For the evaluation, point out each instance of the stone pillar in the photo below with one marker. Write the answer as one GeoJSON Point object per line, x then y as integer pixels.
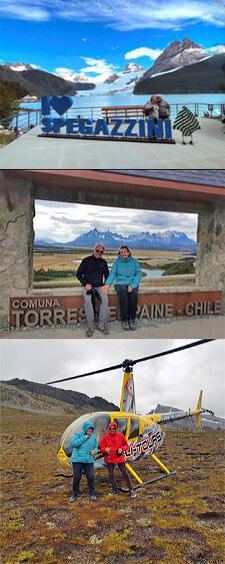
{"type": "Point", "coordinates": [210, 264]}
{"type": "Point", "coordinates": [16, 241]}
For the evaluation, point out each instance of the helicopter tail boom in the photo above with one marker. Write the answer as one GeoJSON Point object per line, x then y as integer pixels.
{"type": "Point", "coordinates": [162, 418]}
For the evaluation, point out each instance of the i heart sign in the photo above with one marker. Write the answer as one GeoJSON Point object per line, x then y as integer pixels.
{"type": "Point", "coordinates": [61, 104]}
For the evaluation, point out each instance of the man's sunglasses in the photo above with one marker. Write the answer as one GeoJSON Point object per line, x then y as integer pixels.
{"type": "Point", "coordinates": [100, 252]}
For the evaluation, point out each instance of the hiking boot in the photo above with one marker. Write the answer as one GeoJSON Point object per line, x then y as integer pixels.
{"type": "Point", "coordinates": [93, 497]}
{"type": "Point", "coordinates": [133, 324]}
{"type": "Point", "coordinates": [132, 493]}
{"type": "Point", "coordinates": [89, 330]}
{"type": "Point", "coordinates": [126, 326]}
{"type": "Point", "coordinates": [103, 327]}
{"type": "Point", "coordinates": [113, 493]}
{"type": "Point", "coordinates": [73, 498]}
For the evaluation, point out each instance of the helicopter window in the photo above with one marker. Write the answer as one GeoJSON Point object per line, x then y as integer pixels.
{"type": "Point", "coordinates": [134, 428]}
{"type": "Point", "coordinates": [100, 421]}
{"type": "Point", "coordinates": [121, 425]}
{"type": "Point", "coordinates": [76, 429]}
{"type": "Point", "coordinates": [72, 427]}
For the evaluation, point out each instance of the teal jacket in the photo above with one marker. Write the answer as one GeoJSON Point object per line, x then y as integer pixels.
{"type": "Point", "coordinates": [126, 272]}
{"type": "Point", "coordinates": [82, 446]}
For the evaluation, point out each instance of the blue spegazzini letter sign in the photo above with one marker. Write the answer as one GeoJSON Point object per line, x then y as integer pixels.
{"type": "Point", "coordinates": [128, 129]}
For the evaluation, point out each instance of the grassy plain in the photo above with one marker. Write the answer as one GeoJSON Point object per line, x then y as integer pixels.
{"type": "Point", "coordinates": [171, 521]}
{"type": "Point", "coordinates": [65, 261]}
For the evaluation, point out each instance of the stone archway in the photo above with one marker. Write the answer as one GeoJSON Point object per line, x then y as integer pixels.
{"type": "Point", "coordinates": [19, 189]}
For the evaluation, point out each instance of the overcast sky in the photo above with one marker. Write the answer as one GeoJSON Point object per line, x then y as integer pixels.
{"type": "Point", "coordinates": [173, 380]}
{"type": "Point", "coordinates": [63, 222]}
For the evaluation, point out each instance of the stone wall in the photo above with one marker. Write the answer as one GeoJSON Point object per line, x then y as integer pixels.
{"type": "Point", "coordinates": [16, 241]}
{"type": "Point", "coordinates": [210, 264]}
{"type": "Point", "coordinates": [17, 235]}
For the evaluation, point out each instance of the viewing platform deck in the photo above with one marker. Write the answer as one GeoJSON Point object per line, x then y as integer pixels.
{"type": "Point", "coordinates": [32, 151]}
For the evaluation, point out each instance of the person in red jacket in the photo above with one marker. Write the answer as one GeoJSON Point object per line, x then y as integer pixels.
{"type": "Point", "coordinates": [113, 445]}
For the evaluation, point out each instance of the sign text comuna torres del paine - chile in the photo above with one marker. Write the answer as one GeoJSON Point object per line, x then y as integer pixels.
{"type": "Point", "coordinates": [57, 122]}
{"type": "Point", "coordinates": [67, 310]}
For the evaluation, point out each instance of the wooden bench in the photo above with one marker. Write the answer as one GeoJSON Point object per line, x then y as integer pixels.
{"type": "Point", "coordinates": [122, 112]}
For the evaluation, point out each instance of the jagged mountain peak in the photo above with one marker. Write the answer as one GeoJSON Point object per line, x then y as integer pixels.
{"type": "Point", "coordinates": [170, 240]}
{"type": "Point", "coordinates": [132, 67]}
{"type": "Point", "coordinates": [19, 67]}
{"type": "Point", "coordinates": [176, 55]}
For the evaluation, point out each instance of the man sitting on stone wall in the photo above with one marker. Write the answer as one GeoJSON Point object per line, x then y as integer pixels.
{"type": "Point", "coordinates": [92, 273]}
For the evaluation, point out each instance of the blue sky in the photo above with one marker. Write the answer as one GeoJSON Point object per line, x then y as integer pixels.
{"type": "Point", "coordinates": [98, 37]}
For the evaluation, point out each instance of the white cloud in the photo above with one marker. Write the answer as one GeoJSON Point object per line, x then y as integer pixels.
{"type": "Point", "coordinates": [99, 67]}
{"type": "Point", "coordinates": [26, 11]}
{"type": "Point", "coordinates": [63, 222]}
{"type": "Point", "coordinates": [143, 52]}
{"type": "Point", "coordinates": [172, 380]}
{"type": "Point", "coordinates": [122, 15]}
{"type": "Point", "coordinates": [34, 66]}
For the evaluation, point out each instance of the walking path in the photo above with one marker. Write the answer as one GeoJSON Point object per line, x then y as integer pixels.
{"type": "Point", "coordinates": [212, 327]}
{"type": "Point", "coordinates": [33, 152]}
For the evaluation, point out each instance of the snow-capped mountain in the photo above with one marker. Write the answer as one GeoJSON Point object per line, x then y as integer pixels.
{"type": "Point", "coordinates": [168, 240]}
{"type": "Point", "coordinates": [19, 67]}
{"type": "Point", "coordinates": [46, 242]}
{"type": "Point", "coordinates": [132, 67]}
{"type": "Point", "coordinates": [71, 76]}
{"type": "Point", "coordinates": [179, 54]}
{"type": "Point", "coordinates": [121, 81]}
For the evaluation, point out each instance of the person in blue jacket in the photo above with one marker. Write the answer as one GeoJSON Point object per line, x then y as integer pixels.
{"type": "Point", "coordinates": [126, 275]}
{"type": "Point", "coordinates": [85, 446]}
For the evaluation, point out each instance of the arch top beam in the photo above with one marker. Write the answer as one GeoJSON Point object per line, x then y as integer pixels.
{"type": "Point", "coordinates": [72, 185]}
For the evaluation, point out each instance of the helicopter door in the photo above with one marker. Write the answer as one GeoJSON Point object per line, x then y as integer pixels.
{"type": "Point", "coordinates": [121, 425]}
{"type": "Point", "coordinates": [134, 428]}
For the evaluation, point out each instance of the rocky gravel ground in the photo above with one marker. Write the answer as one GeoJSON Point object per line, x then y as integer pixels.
{"type": "Point", "coordinates": [171, 521]}
{"type": "Point", "coordinates": [194, 328]}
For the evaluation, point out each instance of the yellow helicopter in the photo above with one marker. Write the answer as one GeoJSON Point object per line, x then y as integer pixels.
{"type": "Point", "coordinates": [144, 433]}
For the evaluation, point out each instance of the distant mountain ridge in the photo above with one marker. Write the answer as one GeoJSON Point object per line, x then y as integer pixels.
{"type": "Point", "coordinates": [207, 420]}
{"type": "Point", "coordinates": [77, 399]}
{"type": "Point", "coordinates": [31, 396]}
{"type": "Point", "coordinates": [168, 240]}
{"type": "Point", "coordinates": [180, 54]}
{"type": "Point", "coordinates": [182, 67]}
{"type": "Point", "coordinates": [206, 76]}
{"type": "Point", "coordinates": [40, 83]}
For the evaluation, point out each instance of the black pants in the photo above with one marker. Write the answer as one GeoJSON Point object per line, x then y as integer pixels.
{"type": "Point", "coordinates": [128, 302]}
{"type": "Point", "coordinates": [122, 467]}
{"type": "Point", "coordinates": [89, 472]}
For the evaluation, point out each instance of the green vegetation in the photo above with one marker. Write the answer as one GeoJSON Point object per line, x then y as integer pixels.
{"type": "Point", "coordinates": [10, 92]}
{"type": "Point", "coordinates": [181, 267]}
{"type": "Point", "coordinates": [185, 266]}
{"type": "Point", "coordinates": [45, 275]}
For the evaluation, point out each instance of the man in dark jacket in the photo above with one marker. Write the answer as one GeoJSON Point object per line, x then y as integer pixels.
{"type": "Point", "coordinates": [92, 274]}
{"type": "Point", "coordinates": [113, 445]}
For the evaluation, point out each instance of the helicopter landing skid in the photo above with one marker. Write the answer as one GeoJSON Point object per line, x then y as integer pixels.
{"type": "Point", "coordinates": [125, 490]}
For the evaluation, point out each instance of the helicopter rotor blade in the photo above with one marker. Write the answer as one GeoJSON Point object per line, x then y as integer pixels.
{"type": "Point", "coordinates": [132, 362]}
{"type": "Point", "coordinates": [197, 343]}
{"type": "Point", "coordinates": [88, 373]}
